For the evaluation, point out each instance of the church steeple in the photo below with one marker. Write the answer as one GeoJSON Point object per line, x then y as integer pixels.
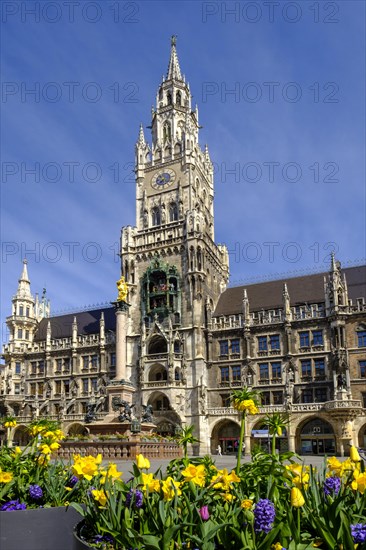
{"type": "Point", "coordinates": [174, 71]}
{"type": "Point", "coordinates": [22, 322]}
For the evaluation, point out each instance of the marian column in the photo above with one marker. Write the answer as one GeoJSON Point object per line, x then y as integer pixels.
{"type": "Point", "coordinates": [120, 389]}
{"type": "Point", "coordinates": [121, 329]}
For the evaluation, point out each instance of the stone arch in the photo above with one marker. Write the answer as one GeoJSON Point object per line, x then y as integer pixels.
{"type": "Point", "coordinates": [259, 437]}
{"type": "Point", "coordinates": [21, 436]}
{"type": "Point", "coordinates": [159, 401]}
{"type": "Point", "coordinates": [362, 437]}
{"type": "Point", "coordinates": [157, 373]}
{"type": "Point", "coordinates": [157, 344]}
{"type": "Point", "coordinates": [168, 424]}
{"type": "Point", "coordinates": [315, 436]}
{"type": "Point", "coordinates": [76, 428]}
{"type": "Point", "coordinates": [225, 432]}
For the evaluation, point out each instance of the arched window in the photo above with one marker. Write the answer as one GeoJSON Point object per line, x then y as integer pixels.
{"type": "Point", "coordinates": [173, 212]}
{"type": "Point", "coordinates": [199, 259]}
{"type": "Point", "coordinates": [178, 98]}
{"type": "Point", "coordinates": [169, 98]}
{"type": "Point", "coordinates": [155, 216]}
{"type": "Point", "coordinates": [157, 345]}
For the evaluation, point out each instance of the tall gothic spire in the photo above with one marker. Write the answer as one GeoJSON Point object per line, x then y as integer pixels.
{"type": "Point", "coordinates": [24, 283]}
{"type": "Point", "coordinates": [173, 68]}
{"type": "Point", "coordinates": [141, 139]}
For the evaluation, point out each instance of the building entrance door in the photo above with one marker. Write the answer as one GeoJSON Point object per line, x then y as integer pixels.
{"type": "Point", "coordinates": [317, 438]}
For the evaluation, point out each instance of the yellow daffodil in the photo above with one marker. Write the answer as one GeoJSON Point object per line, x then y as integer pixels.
{"type": "Point", "coordinates": [227, 496]}
{"type": "Point", "coordinates": [170, 488]}
{"type": "Point", "coordinates": [112, 472]}
{"type": "Point", "coordinates": [150, 483]}
{"type": "Point", "coordinates": [86, 467]}
{"type": "Point", "coordinates": [277, 546]}
{"type": "Point", "coordinates": [5, 477]}
{"type": "Point", "coordinates": [359, 482]}
{"type": "Point", "coordinates": [142, 462]}
{"type": "Point", "coordinates": [334, 465]}
{"type": "Point", "coordinates": [100, 496]}
{"type": "Point", "coordinates": [196, 474]}
{"type": "Point", "coordinates": [297, 499]}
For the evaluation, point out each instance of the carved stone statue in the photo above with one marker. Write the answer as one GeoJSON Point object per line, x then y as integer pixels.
{"type": "Point", "coordinates": [147, 415]}
{"type": "Point", "coordinates": [202, 399]}
{"type": "Point", "coordinates": [122, 287]}
{"type": "Point", "coordinates": [90, 414]}
{"type": "Point", "coordinates": [124, 408]}
{"type": "Point", "coordinates": [342, 381]}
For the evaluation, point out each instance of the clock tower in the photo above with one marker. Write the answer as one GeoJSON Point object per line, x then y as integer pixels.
{"type": "Point", "coordinates": [173, 267]}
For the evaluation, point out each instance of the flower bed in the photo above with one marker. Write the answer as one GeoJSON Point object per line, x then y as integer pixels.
{"type": "Point", "coordinates": [274, 502]}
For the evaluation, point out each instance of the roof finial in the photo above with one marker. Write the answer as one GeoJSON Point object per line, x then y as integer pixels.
{"type": "Point", "coordinates": [173, 40]}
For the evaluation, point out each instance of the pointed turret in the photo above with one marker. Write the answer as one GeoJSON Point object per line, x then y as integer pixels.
{"type": "Point", "coordinates": [141, 139]}
{"type": "Point", "coordinates": [22, 322]}
{"type": "Point", "coordinates": [336, 292]}
{"type": "Point", "coordinates": [24, 283]}
{"type": "Point", "coordinates": [286, 303]}
{"type": "Point", "coordinates": [246, 312]}
{"type": "Point", "coordinates": [173, 67]}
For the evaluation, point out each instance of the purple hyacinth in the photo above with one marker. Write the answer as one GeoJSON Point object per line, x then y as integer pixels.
{"type": "Point", "coordinates": [332, 485]}
{"type": "Point", "coordinates": [134, 496]}
{"type": "Point", "coordinates": [35, 492]}
{"type": "Point", "coordinates": [72, 481]}
{"type": "Point", "coordinates": [264, 515]}
{"type": "Point", "coordinates": [13, 505]}
{"type": "Point", "coordinates": [103, 538]}
{"type": "Point", "coordinates": [358, 532]}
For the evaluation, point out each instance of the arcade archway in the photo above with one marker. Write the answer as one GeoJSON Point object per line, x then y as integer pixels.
{"type": "Point", "coordinates": [362, 437]}
{"type": "Point", "coordinates": [21, 436]}
{"type": "Point", "coordinates": [316, 437]}
{"type": "Point", "coordinates": [226, 434]}
{"type": "Point", "coordinates": [260, 437]}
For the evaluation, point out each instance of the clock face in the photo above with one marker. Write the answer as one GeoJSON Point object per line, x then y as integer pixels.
{"type": "Point", "coordinates": [162, 180]}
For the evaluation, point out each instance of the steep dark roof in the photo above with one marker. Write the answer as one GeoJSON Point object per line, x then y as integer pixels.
{"type": "Point", "coordinates": [87, 321]}
{"type": "Point", "coordinates": [305, 289]}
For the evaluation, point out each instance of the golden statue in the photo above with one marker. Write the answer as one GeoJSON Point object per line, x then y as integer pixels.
{"type": "Point", "coordinates": [122, 287]}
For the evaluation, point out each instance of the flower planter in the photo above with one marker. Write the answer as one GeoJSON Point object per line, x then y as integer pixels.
{"type": "Point", "coordinates": [38, 529]}
{"type": "Point", "coordinates": [79, 543]}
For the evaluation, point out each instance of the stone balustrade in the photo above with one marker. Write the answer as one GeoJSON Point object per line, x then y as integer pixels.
{"type": "Point", "coordinates": [120, 449]}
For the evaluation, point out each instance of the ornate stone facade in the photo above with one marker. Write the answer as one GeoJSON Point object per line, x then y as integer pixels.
{"type": "Point", "coordinates": [180, 341]}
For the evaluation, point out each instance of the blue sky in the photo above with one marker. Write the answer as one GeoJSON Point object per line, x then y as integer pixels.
{"type": "Point", "coordinates": [288, 143]}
